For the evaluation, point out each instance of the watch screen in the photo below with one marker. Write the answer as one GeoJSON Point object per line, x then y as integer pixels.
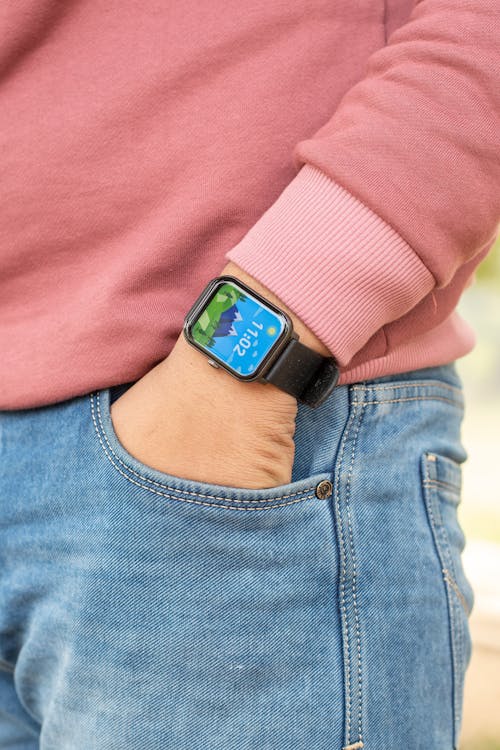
{"type": "Point", "coordinates": [237, 329]}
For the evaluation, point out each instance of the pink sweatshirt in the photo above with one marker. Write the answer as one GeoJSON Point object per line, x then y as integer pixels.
{"type": "Point", "coordinates": [344, 153]}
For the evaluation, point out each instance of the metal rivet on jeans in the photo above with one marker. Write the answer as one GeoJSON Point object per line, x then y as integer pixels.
{"type": "Point", "coordinates": [324, 489]}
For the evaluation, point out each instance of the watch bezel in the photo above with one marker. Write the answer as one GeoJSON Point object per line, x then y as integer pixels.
{"type": "Point", "coordinates": [192, 316]}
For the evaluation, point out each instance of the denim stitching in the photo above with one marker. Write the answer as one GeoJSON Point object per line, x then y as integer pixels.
{"type": "Point", "coordinates": [343, 576]}
{"type": "Point", "coordinates": [443, 485]}
{"type": "Point", "coordinates": [299, 495]}
{"type": "Point", "coordinates": [456, 648]}
{"type": "Point", "coordinates": [456, 604]}
{"type": "Point", "coordinates": [188, 492]}
{"type": "Point", "coordinates": [454, 585]}
{"type": "Point", "coordinates": [409, 384]}
{"type": "Point", "coordinates": [340, 526]}
{"type": "Point", "coordinates": [354, 577]}
{"type": "Point", "coordinates": [411, 398]}
{"type": "Point", "coordinates": [451, 581]}
{"type": "Point", "coordinates": [356, 746]}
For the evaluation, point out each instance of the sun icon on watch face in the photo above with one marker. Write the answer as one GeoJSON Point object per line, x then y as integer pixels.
{"type": "Point", "coordinates": [271, 330]}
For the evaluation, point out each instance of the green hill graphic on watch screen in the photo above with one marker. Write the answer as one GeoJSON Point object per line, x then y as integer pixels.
{"type": "Point", "coordinates": [237, 329]}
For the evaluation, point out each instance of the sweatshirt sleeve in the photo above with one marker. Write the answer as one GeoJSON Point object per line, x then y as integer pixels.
{"type": "Point", "coordinates": [399, 189]}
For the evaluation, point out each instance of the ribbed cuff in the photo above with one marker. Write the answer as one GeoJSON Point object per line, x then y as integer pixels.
{"type": "Point", "coordinates": [337, 265]}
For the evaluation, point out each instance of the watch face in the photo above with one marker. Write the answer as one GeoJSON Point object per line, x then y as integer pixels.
{"type": "Point", "coordinates": [237, 329]}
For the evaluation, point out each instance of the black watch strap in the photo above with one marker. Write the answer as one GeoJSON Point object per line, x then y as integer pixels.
{"type": "Point", "coordinates": [304, 373]}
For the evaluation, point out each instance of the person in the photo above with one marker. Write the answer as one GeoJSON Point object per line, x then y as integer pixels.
{"type": "Point", "coordinates": [228, 519]}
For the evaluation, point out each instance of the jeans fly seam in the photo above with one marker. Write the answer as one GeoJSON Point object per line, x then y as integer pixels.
{"type": "Point", "coordinates": [343, 575]}
{"type": "Point", "coordinates": [300, 496]}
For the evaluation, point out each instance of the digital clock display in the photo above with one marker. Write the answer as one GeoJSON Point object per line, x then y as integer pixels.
{"type": "Point", "coordinates": [237, 329]}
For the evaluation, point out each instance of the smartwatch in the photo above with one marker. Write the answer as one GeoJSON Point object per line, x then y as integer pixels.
{"type": "Point", "coordinates": [245, 334]}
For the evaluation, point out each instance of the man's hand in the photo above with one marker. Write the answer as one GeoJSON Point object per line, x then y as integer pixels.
{"type": "Point", "coordinates": [187, 419]}
{"type": "Point", "coordinates": [190, 420]}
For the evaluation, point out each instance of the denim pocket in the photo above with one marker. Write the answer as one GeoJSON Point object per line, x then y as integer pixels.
{"type": "Point", "coordinates": [442, 482]}
{"type": "Point", "coordinates": [314, 486]}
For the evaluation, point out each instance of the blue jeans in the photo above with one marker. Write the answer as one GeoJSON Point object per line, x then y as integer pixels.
{"type": "Point", "coordinates": [142, 611]}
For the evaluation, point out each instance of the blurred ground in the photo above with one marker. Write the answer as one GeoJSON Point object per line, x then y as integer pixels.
{"type": "Point", "coordinates": [480, 514]}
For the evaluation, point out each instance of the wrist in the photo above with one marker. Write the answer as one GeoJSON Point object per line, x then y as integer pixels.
{"type": "Point", "coordinates": [191, 368]}
{"type": "Point", "coordinates": [194, 369]}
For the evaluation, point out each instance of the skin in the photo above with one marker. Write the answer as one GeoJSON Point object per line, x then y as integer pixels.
{"type": "Point", "coordinates": [167, 420]}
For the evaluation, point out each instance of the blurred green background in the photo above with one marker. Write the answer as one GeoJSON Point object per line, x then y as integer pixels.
{"type": "Point", "coordinates": [480, 507]}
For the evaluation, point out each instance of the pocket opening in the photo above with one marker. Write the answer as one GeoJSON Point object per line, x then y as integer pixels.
{"type": "Point", "coordinates": [170, 486]}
